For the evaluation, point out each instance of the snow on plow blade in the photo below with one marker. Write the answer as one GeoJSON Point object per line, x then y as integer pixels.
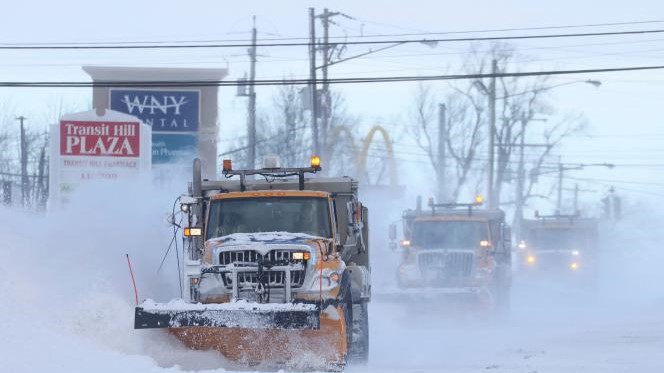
{"type": "Point", "coordinates": [245, 315]}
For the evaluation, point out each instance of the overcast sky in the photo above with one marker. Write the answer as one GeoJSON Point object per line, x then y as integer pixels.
{"type": "Point", "coordinates": [624, 113]}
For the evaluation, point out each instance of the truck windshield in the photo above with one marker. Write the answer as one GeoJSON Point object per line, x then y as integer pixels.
{"type": "Point", "coordinates": [449, 234]}
{"type": "Point", "coordinates": [558, 239]}
{"type": "Point", "coordinates": [308, 215]}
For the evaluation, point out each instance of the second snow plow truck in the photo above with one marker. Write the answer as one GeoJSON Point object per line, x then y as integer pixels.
{"type": "Point", "coordinates": [276, 272]}
{"type": "Point", "coordinates": [456, 251]}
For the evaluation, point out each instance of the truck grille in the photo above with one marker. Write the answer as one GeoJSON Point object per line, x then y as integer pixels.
{"type": "Point", "coordinates": [251, 256]}
{"type": "Point", "coordinates": [276, 279]}
{"type": "Point", "coordinates": [453, 264]}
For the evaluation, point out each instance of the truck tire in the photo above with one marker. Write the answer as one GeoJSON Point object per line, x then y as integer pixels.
{"type": "Point", "coordinates": [359, 351]}
{"type": "Point", "coordinates": [346, 304]}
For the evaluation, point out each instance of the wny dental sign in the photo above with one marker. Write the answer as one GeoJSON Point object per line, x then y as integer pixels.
{"type": "Point", "coordinates": [174, 116]}
{"type": "Point", "coordinates": [110, 139]}
{"type": "Point", "coordinates": [164, 111]}
{"type": "Point", "coordinates": [88, 147]}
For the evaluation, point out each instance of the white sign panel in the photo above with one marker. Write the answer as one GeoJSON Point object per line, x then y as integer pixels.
{"type": "Point", "coordinates": [85, 147]}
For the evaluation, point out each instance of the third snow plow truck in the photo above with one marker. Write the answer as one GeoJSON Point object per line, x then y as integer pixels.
{"type": "Point", "coordinates": [559, 245]}
{"type": "Point", "coordinates": [456, 251]}
{"type": "Point", "coordinates": [277, 269]}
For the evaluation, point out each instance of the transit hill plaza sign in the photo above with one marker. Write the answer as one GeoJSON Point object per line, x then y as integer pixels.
{"type": "Point", "coordinates": [86, 146]}
{"type": "Point", "coordinates": [93, 138]}
{"type": "Point", "coordinates": [184, 119]}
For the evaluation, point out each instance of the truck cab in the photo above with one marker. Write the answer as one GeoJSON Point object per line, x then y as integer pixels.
{"type": "Point", "coordinates": [458, 249]}
{"type": "Point", "coordinates": [558, 243]}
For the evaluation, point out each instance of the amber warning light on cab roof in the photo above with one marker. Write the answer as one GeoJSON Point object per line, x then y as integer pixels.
{"type": "Point", "coordinates": [228, 165]}
{"type": "Point", "coordinates": [315, 162]}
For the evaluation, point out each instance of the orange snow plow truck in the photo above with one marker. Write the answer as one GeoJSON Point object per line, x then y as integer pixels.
{"type": "Point", "coordinates": [276, 269]}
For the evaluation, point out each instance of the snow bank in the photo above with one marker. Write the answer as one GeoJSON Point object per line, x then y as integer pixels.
{"type": "Point", "coordinates": [67, 301]}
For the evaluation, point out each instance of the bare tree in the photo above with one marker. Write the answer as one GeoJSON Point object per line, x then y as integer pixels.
{"type": "Point", "coordinates": [286, 132]}
{"type": "Point", "coordinates": [519, 103]}
{"type": "Point", "coordinates": [465, 124]}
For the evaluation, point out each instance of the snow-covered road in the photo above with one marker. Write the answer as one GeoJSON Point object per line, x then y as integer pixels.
{"type": "Point", "coordinates": [573, 336]}
{"type": "Point", "coordinates": [99, 339]}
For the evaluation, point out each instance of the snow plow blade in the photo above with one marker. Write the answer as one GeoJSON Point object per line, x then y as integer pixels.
{"type": "Point", "coordinates": [156, 315]}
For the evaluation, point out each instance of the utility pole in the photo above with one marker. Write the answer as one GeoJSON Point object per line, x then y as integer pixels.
{"type": "Point", "coordinates": [492, 134]}
{"type": "Point", "coordinates": [521, 173]}
{"type": "Point", "coordinates": [442, 139]}
{"type": "Point", "coordinates": [251, 106]}
{"type": "Point", "coordinates": [42, 195]}
{"type": "Point", "coordinates": [325, 98]}
{"type": "Point", "coordinates": [25, 183]}
{"type": "Point", "coordinates": [576, 198]}
{"type": "Point", "coordinates": [561, 169]}
{"type": "Point", "coordinates": [577, 190]}
{"type": "Point", "coordinates": [312, 80]}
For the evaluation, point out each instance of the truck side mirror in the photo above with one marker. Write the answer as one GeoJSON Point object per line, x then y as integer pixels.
{"type": "Point", "coordinates": [393, 232]}
{"type": "Point", "coordinates": [393, 246]}
{"type": "Point", "coordinates": [350, 213]}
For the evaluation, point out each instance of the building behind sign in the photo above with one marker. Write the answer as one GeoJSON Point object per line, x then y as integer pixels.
{"type": "Point", "coordinates": [184, 119]}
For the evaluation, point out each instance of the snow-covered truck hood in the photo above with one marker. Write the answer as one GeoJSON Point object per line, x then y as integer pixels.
{"type": "Point", "coordinates": [263, 237]}
{"type": "Point", "coordinates": [262, 242]}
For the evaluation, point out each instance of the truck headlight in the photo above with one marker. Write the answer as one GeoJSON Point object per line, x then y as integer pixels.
{"type": "Point", "coordinates": [301, 255]}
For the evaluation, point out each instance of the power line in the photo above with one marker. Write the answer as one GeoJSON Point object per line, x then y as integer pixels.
{"type": "Point", "coordinates": [345, 37]}
{"type": "Point", "coordinates": [644, 183]}
{"type": "Point", "coordinates": [172, 45]}
{"type": "Point", "coordinates": [507, 29]}
{"type": "Point", "coordinates": [300, 81]}
{"type": "Point", "coordinates": [215, 58]}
